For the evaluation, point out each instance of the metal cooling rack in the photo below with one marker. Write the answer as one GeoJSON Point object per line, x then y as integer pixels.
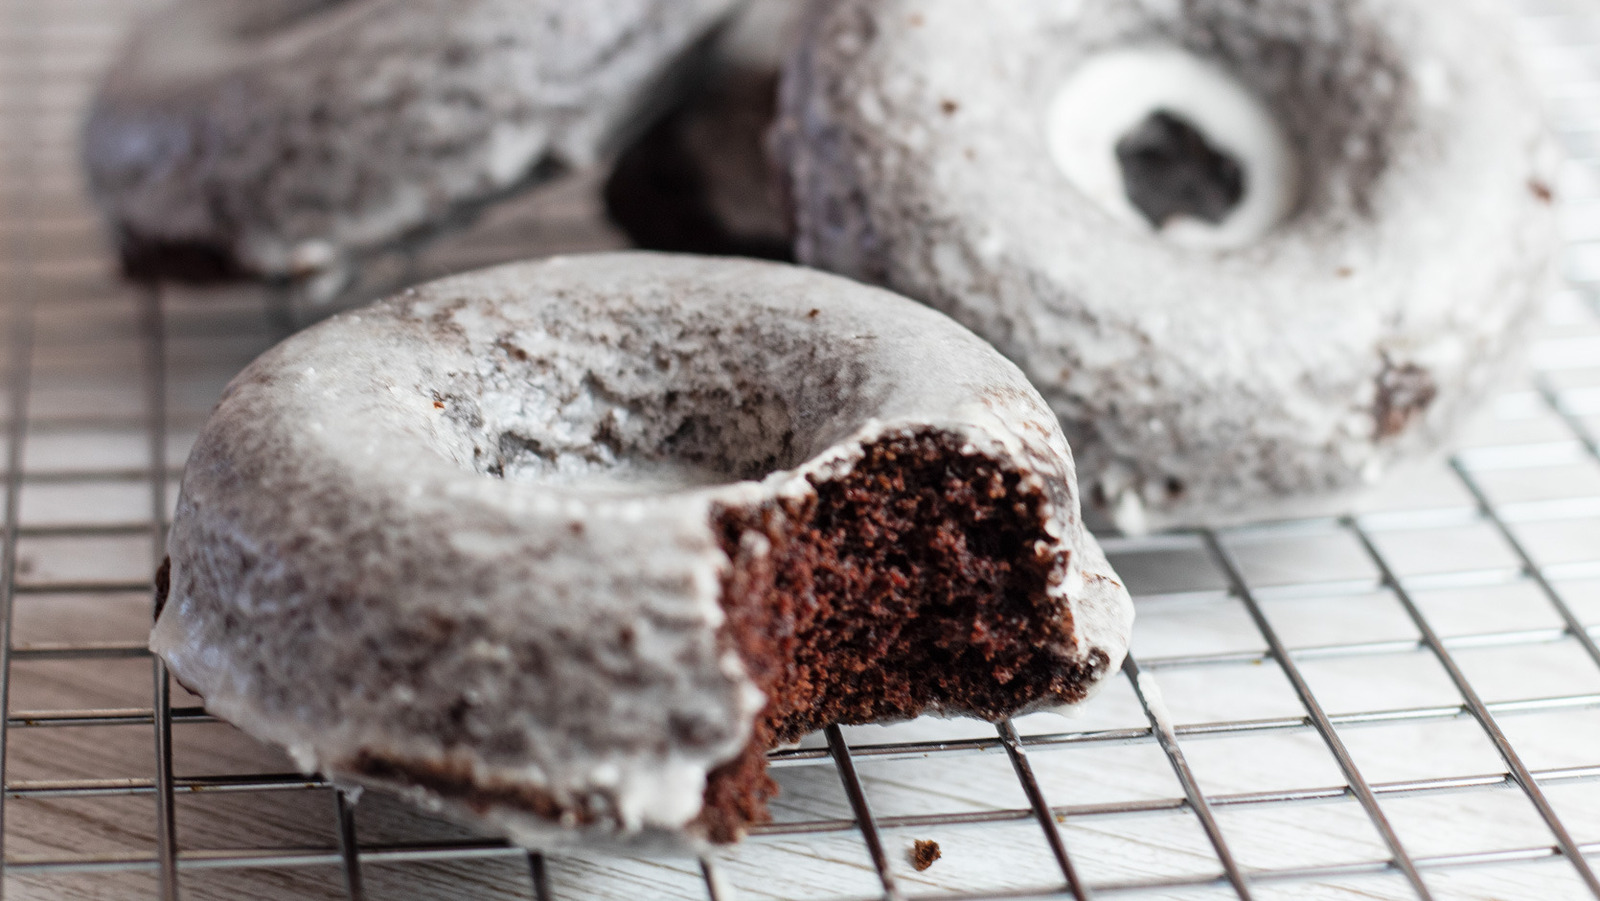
{"type": "Point", "coordinates": [1399, 702]}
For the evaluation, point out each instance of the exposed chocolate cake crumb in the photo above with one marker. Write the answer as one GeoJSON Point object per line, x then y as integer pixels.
{"type": "Point", "coordinates": [910, 582]}
{"type": "Point", "coordinates": [923, 853]}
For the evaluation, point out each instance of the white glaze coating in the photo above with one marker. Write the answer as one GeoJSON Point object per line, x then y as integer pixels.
{"type": "Point", "coordinates": [1196, 384]}
{"type": "Point", "coordinates": [294, 135]}
{"type": "Point", "coordinates": [471, 527]}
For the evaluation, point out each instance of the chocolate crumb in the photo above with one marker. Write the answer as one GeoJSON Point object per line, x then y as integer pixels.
{"type": "Point", "coordinates": [1541, 190]}
{"type": "Point", "coordinates": [924, 853]}
{"type": "Point", "coordinates": [949, 107]}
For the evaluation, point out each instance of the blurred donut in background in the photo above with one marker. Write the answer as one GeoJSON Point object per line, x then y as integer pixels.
{"type": "Point", "coordinates": [288, 139]}
{"type": "Point", "coordinates": [1251, 252]}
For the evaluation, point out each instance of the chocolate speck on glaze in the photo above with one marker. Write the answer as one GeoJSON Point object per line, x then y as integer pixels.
{"type": "Point", "coordinates": [1403, 391]}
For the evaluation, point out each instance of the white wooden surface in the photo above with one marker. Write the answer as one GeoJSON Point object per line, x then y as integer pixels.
{"type": "Point", "coordinates": [87, 461]}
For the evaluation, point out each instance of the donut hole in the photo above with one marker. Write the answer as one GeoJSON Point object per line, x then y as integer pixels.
{"type": "Point", "coordinates": [911, 584]}
{"type": "Point", "coordinates": [1169, 169]}
{"type": "Point", "coordinates": [1164, 140]}
{"type": "Point", "coordinates": [642, 403]}
{"type": "Point", "coordinates": [1305, 99]}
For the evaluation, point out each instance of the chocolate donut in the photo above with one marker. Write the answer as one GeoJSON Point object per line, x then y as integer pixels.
{"type": "Point", "coordinates": [562, 548]}
{"type": "Point", "coordinates": [1251, 252]}
{"type": "Point", "coordinates": [287, 138]}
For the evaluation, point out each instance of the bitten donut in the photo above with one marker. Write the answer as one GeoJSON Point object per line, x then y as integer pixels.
{"type": "Point", "coordinates": [562, 548]}
{"type": "Point", "coordinates": [1251, 252]}
{"type": "Point", "coordinates": [287, 138]}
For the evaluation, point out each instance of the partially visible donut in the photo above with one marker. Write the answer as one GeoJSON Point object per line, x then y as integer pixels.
{"type": "Point", "coordinates": [286, 138]}
{"type": "Point", "coordinates": [564, 547]}
{"type": "Point", "coordinates": [1249, 251]}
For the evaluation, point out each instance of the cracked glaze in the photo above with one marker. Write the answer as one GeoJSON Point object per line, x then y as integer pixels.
{"type": "Point", "coordinates": [470, 527]}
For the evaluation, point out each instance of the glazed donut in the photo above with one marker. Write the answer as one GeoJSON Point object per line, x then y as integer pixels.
{"type": "Point", "coordinates": [563, 547]}
{"type": "Point", "coordinates": [1251, 252]}
{"type": "Point", "coordinates": [287, 138]}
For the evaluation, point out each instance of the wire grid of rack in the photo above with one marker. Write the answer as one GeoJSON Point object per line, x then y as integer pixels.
{"type": "Point", "coordinates": [1403, 701]}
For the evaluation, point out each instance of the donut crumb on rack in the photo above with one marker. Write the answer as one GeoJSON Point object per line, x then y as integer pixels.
{"type": "Point", "coordinates": [923, 853]}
